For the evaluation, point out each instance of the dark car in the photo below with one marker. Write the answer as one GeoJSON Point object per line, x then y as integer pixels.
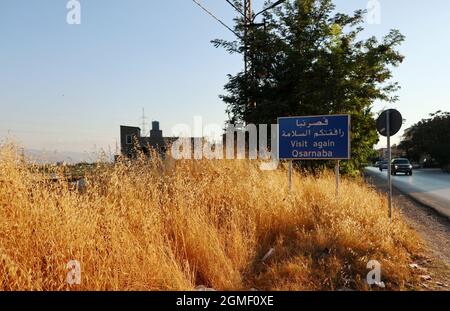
{"type": "Point", "coordinates": [401, 166]}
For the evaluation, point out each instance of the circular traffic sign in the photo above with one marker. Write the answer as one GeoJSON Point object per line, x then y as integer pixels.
{"type": "Point", "coordinates": [395, 120]}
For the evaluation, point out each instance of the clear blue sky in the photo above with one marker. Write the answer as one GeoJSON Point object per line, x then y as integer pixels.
{"type": "Point", "coordinates": [69, 87]}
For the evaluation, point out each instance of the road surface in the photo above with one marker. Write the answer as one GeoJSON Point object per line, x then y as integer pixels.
{"type": "Point", "coordinates": [430, 187]}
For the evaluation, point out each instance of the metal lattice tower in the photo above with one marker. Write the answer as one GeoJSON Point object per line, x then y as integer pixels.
{"type": "Point", "coordinates": [144, 123]}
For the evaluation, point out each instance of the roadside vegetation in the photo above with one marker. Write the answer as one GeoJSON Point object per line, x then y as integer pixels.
{"type": "Point", "coordinates": [428, 141]}
{"type": "Point", "coordinates": [308, 59]}
{"type": "Point", "coordinates": [163, 225]}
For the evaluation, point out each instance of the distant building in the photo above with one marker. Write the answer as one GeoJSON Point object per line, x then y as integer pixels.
{"type": "Point", "coordinates": [395, 150]}
{"type": "Point", "coordinates": [131, 141]}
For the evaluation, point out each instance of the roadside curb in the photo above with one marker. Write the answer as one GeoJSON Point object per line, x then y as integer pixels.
{"type": "Point", "coordinates": [429, 205]}
{"type": "Point", "coordinates": [424, 203]}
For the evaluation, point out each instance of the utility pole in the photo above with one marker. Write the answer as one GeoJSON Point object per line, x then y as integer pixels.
{"type": "Point", "coordinates": [249, 23]}
{"type": "Point", "coordinates": [248, 57]}
{"type": "Point", "coordinates": [248, 20]}
{"type": "Point", "coordinates": [248, 9]}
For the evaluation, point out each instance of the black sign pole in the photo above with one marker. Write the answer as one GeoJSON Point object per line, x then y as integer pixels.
{"type": "Point", "coordinates": [388, 124]}
{"type": "Point", "coordinates": [388, 132]}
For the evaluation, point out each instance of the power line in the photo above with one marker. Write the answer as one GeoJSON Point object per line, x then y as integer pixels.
{"type": "Point", "coordinates": [236, 8]}
{"type": "Point", "coordinates": [270, 7]}
{"type": "Point", "coordinates": [216, 18]}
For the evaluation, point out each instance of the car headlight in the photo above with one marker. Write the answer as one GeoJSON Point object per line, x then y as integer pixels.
{"type": "Point", "coordinates": [396, 167]}
{"type": "Point", "coordinates": [410, 166]}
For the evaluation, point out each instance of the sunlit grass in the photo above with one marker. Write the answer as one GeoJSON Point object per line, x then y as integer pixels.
{"type": "Point", "coordinates": [165, 225]}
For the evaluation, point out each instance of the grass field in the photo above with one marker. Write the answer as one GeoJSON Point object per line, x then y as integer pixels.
{"type": "Point", "coordinates": [152, 225]}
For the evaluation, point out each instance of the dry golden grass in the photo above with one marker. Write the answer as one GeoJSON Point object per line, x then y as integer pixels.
{"type": "Point", "coordinates": [173, 226]}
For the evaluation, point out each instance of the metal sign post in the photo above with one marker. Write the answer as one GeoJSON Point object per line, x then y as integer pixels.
{"type": "Point", "coordinates": [388, 132]}
{"type": "Point", "coordinates": [388, 124]}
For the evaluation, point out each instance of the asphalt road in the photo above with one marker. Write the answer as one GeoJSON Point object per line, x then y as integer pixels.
{"type": "Point", "coordinates": [430, 187]}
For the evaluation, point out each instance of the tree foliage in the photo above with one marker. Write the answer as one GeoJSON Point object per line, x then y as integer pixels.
{"type": "Point", "coordinates": [429, 138]}
{"type": "Point", "coordinates": [309, 60]}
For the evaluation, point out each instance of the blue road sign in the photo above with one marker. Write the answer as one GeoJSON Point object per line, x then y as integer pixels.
{"type": "Point", "coordinates": [314, 138]}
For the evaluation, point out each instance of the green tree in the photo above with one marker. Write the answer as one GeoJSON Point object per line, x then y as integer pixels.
{"type": "Point", "coordinates": [430, 137]}
{"type": "Point", "coordinates": [308, 60]}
